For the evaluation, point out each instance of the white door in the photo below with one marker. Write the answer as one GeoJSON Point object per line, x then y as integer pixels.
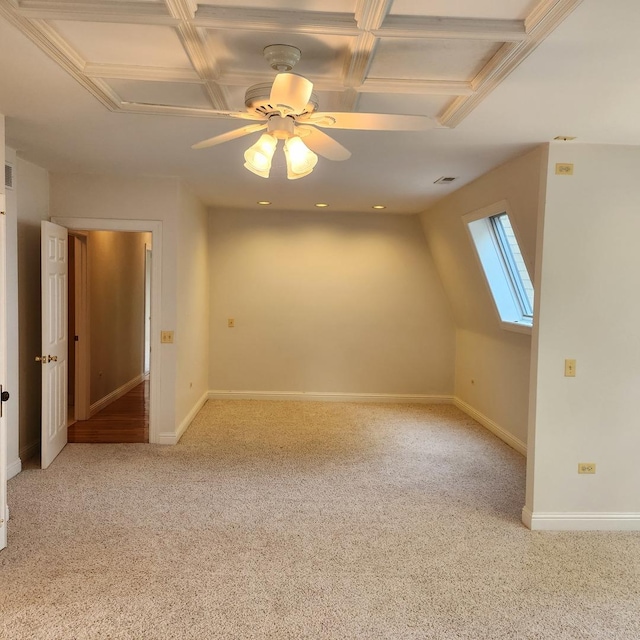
{"type": "Point", "coordinates": [53, 357]}
{"type": "Point", "coordinates": [3, 377]}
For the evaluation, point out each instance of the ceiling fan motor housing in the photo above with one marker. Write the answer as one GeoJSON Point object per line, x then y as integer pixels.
{"type": "Point", "coordinates": [257, 99]}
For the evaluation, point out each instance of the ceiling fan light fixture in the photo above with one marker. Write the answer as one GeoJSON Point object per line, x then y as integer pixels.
{"type": "Point", "coordinates": [258, 157]}
{"type": "Point", "coordinates": [300, 159]}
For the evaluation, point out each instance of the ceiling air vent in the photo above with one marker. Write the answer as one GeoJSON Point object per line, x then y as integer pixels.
{"type": "Point", "coordinates": [444, 180]}
{"type": "Point", "coordinates": [8, 176]}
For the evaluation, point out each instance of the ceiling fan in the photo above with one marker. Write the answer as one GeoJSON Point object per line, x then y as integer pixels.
{"type": "Point", "coordinates": [287, 110]}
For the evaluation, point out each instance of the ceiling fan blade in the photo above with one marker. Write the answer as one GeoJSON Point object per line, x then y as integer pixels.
{"type": "Point", "coordinates": [242, 115]}
{"type": "Point", "coordinates": [370, 121]}
{"type": "Point", "coordinates": [323, 144]}
{"type": "Point", "coordinates": [230, 135]}
{"type": "Point", "coordinates": [290, 93]}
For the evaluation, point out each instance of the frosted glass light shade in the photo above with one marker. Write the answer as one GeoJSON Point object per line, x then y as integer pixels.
{"type": "Point", "coordinates": [258, 156]}
{"type": "Point", "coordinates": [300, 159]}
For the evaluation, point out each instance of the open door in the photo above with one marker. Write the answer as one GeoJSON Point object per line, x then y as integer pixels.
{"type": "Point", "coordinates": [3, 377]}
{"type": "Point", "coordinates": [53, 357]}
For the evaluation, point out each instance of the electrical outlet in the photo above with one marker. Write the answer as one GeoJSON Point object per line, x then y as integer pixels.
{"type": "Point", "coordinates": [564, 169]}
{"type": "Point", "coordinates": [231, 323]}
{"type": "Point", "coordinates": [166, 337]}
{"type": "Point", "coordinates": [586, 467]}
{"type": "Point", "coordinates": [570, 368]}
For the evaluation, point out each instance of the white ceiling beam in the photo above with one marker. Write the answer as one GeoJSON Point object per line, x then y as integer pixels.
{"type": "Point", "coordinates": [194, 41]}
{"type": "Point", "coordinates": [416, 87]}
{"type": "Point", "coordinates": [50, 41]}
{"type": "Point", "coordinates": [506, 60]}
{"type": "Point", "coordinates": [275, 19]}
{"type": "Point", "coordinates": [98, 11]}
{"type": "Point", "coordinates": [134, 72]}
{"type": "Point", "coordinates": [358, 64]}
{"type": "Point", "coordinates": [370, 14]}
{"type": "Point", "coordinates": [454, 28]}
{"type": "Point", "coordinates": [182, 9]}
{"type": "Point", "coordinates": [167, 110]}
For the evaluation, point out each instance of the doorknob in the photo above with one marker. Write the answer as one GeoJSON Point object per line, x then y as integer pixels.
{"type": "Point", "coordinates": [4, 396]}
{"type": "Point", "coordinates": [45, 359]}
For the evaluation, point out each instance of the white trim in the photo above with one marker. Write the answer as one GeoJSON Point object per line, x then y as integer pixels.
{"type": "Point", "coordinates": [14, 468]}
{"type": "Point", "coordinates": [155, 227]}
{"type": "Point", "coordinates": [323, 396]}
{"type": "Point", "coordinates": [492, 426]}
{"type": "Point", "coordinates": [115, 394]}
{"type": "Point", "coordinates": [569, 521]}
{"type": "Point", "coordinates": [190, 416]}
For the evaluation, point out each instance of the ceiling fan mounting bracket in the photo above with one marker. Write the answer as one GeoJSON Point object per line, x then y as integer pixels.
{"type": "Point", "coordinates": [281, 57]}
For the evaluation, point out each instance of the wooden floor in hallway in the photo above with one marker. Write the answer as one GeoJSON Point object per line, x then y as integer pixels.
{"type": "Point", "coordinates": [125, 420]}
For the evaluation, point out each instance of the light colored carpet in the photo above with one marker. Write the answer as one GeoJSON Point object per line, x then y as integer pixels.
{"type": "Point", "coordinates": [304, 520]}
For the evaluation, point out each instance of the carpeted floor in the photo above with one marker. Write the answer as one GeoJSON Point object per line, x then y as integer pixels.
{"type": "Point", "coordinates": [304, 520]}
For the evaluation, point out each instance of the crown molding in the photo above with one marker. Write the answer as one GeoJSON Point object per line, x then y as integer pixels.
{"type": "Point", "coordinates": [98, 11]}
{"type": "Point", "coordinates": [274, 19]}
{"type": "Point", "coordinates": [452, 28]}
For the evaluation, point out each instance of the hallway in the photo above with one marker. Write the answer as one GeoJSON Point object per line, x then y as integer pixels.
{"type": "Point", "coordinates": [125, 420]}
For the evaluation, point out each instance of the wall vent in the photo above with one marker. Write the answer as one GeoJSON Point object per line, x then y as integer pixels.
{"type": "Point", "coordinates": [8, 176]}
{"type": "Point", "coordinates": [444, 180]}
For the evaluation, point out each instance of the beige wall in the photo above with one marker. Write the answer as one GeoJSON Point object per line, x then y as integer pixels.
{"type": "Point", "coordinates": [327, 303]}
{"type": "Point", "coordinates": [588, 310]}
{"type": "Point", "coordinates": [32, 184]}
{"type": "Point", "coordinates": [192, 325]}
{"type": "Point", "coordinates": [116, 302]}
{"type": "Point", "coordinates": [492, 364]}
{"type": "Point", "coordinates": [135, 198]}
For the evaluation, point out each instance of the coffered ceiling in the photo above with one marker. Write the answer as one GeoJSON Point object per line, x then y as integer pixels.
{"type": "Point", "coordinates": [157, 71]}
{"type": "Point", "coordinates": [192, 58]}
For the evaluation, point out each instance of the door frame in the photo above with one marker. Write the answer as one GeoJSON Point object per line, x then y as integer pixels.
{"type": "Point", "coordinates": [155, 228]}
{"type": "Point", "coordinates": [4, 510]}
{"type": "Point", "coordinates": [82, 374]}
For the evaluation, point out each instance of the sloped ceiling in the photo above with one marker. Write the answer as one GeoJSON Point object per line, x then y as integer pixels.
{"type": "Point", "coordinates": [127, 86]}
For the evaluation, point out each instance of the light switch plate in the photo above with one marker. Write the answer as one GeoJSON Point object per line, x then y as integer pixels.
{"type": "Point", "coordinates": [166, 337]}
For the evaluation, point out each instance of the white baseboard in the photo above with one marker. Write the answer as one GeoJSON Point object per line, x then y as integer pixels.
{"type": "Point", "coordinates": [174, 438]}
{"type": "Point", "coordinates": [191, 415]}
{"type": "Point", "coordinates": [114, 395]}
{"type": "Point", "coordinates": [321, 396]}
{"type": "Point", "coordinates": [570, 521]}
{"type": "Point", "coordinates": [14, 468]}
{"type": "Point", "coordinates": [492, 426]}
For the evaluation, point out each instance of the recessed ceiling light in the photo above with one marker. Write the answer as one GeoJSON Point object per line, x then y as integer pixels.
{"type": "Point", "coordinates": [264, 203]}
{"type": "Point", "coordinates": [565, 138]}
{"type": "Point", "coordinates": [379, 206]}
{"type": "Point", "coordinates": [321, 204]}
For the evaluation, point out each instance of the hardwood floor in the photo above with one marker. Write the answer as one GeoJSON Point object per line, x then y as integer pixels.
{"type": "Point", "coordinates": [125, 420]}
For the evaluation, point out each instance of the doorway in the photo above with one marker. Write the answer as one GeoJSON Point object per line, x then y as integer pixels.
{"type": "Point", "coordinates": [108, 326]}
{"type": "Point", "coordinates": [148, 386]}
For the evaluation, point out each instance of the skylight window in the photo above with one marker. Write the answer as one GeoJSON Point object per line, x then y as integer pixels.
{"type": "Point", "coordinates": [504, 268]}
